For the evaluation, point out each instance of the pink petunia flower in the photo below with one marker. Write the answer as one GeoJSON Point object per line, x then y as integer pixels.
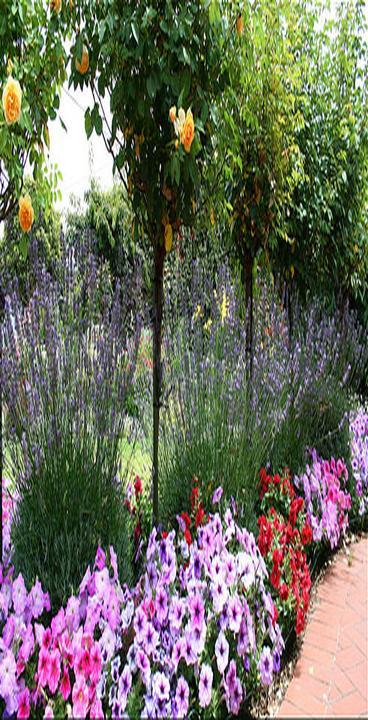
{"type": "Point", "coordinates": [80, 698]}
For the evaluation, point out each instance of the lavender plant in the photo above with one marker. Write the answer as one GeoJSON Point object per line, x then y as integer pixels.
{"type": "Point", "coordinates": [215, 425]}
{"type": "Point", "coordinates": [222, 424]}
{"type": "Point", "coordinates": [69, 363]}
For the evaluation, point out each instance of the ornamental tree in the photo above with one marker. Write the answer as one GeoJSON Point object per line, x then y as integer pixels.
{"type": "Point", "coordinates": [258, 125]}
{"type": "Point", "coordinates": [158, 67]}
{"type": "Point", "coordinates": [32, 70]}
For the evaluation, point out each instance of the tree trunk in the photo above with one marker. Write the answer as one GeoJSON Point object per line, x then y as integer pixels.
{"type": "Point", "coordinates": [158, 302]}
{"type": "Point", "coordinates": [248, 283]}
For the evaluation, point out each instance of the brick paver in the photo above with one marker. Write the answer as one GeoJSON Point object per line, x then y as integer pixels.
{"type": "Point", "coordinates": [331, 676]}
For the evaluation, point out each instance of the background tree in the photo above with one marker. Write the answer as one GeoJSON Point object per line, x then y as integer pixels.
{"type": "Point", "coordinates": [146, 58]}
{"type": "Point", "coordinates": [258, 129]}
{"type": "Point", "coordinates": [108, 215]}
{"type": "Point", "coordinates": [328, 219]}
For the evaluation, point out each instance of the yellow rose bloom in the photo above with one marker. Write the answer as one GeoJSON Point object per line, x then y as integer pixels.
{"type": "Point", "coordinates": [187, 134]}
{"type": "Point", "coordinates": [83, 65]}
{"type": "Point", "coordinates": [168, 237]}
{"type": "Point", "coordinates": [12, 100]}
{"type": "Point", "coordinates": [55, 5]}
{"type": "Point", "coordinates": [26, 214]}
{"type": "Point", "coordinates": [172, 113]}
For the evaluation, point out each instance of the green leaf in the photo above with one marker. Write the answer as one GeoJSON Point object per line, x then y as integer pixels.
{"type": "Point", "coordinates": [151, 86]}
{"type": "Point", "coordinates": [88, 123]}
{"type": "Point", "coordinates": [135, 31]}
{"type": "Point", "coordinates": [79, 48]}
{"type": "Point", "coordinates": [98, 123]}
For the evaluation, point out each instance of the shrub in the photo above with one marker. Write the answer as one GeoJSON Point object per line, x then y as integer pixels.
{"type": "Point", "coordinates": [66, 375]}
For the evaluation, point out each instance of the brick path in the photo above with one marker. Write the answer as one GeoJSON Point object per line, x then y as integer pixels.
{"type": "Point", "coordinates": [330, 677]}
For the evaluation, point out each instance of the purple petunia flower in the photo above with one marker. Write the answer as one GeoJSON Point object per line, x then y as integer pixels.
{"type": "Point", "coordinates": [182, 697]}
{"type": "Point", "coordinates": [217, 495]}
{"type": "Point", "coordinates": [140, 624]}
{"type": "Point", "coordinates": [19, 595]}
{"type": "Point", "coordinates": [222, 652]}
{"type": "Point", "coordinates": [205, 685]}
{"type": "Point", "coordinates": [160, 687]}
{"type": "Point", "coordinates": [235, 614]}
{"type": "Point", "coordinates": [143, 664]}
{"type": "Point", "coordinates": [176, 613]}
{"type": "Point", "coordinates": [161, 605]}
{"type": "Point", "coordinates": [125, 684]}
{"type": "Point", "coordinates": [196, 609]}
{"type": "Point", "coordinates": [265, 666]}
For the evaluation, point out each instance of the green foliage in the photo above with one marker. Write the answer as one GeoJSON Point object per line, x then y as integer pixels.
{"type": "Point", "coordinates": [119, 240]}
{"type": "Point", "coordinates": [70, 508]}
{"type": "Point", "coordinates": [32, 42]}
{"type": "Point", "coordinates": [16, 248]}
{"type": "Point", "coordinates": [258, 123]}
{"type": "Point", "coordinates": [163, 54]}
{"type": "Point", "coordinates": [328, 220]}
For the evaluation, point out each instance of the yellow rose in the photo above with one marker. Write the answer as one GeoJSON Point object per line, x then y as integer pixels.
{"type": "Point", "coordinates": [172, 113]}
{"type": "Point", "coordinates": [168, 237]}
{"type": "Point", "coordinates": [240, 25]}
{"type": "Point", "coordinates": [12, 101]}
{"type": "Point", "coordinates": [187, 134]}
{"type": "Point", "coordinates": [83, 65]}
{"type": "Point", "coordinates": [26, 214]}
{"type": "Point", "coordinates": [55, 5]}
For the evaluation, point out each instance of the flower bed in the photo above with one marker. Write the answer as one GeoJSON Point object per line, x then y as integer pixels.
{"type": "Point", "coordinates": [199, 630]}
{"type": "Point", "coordinates": [202, 630]}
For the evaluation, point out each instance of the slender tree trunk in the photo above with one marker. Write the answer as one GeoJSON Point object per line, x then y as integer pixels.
{"type": "Point", "coordinates": [248, 261]}
{"type": "Point", "coordinates": [158, 302]}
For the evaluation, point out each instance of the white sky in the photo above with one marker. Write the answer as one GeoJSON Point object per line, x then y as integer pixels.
{"type": "Point", "coordinates": [77, 158]}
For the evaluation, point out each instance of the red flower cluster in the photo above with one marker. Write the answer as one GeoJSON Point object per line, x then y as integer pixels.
{"type": "Point", "coordinates": [197, 516]}
{"type": "Point", "coordinates": [281, 545]}
{"type": "Point", "coordinates": [283, 533]}
{"type": "Point", "coordinates": [272, 484]}
{"type": "Point", "coordinates": [139, 512]}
